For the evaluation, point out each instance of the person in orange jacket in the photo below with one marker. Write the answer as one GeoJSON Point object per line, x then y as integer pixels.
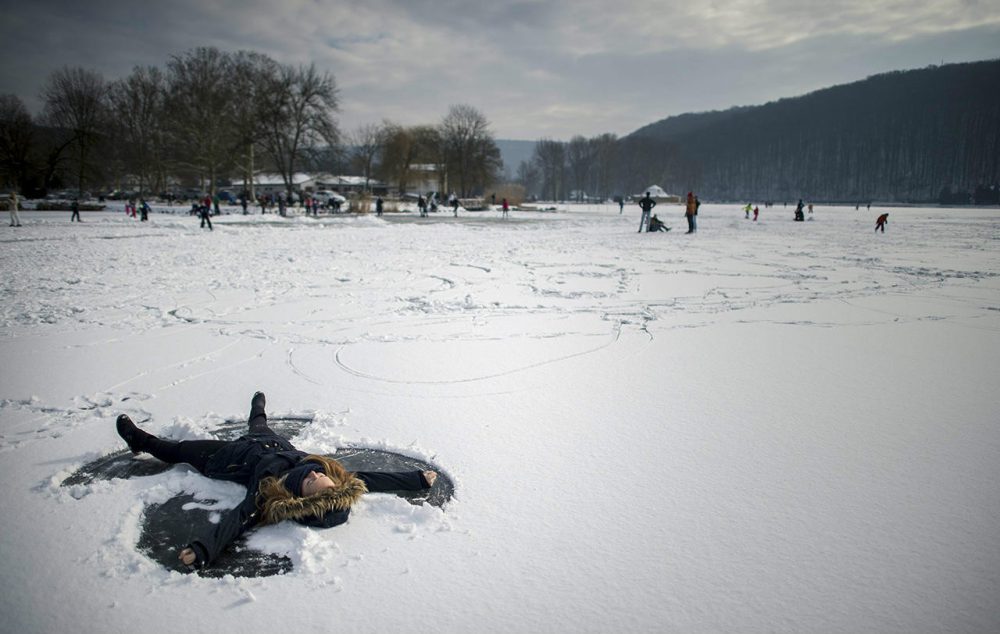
{"type": "Point", "coordinates": [690, 211]}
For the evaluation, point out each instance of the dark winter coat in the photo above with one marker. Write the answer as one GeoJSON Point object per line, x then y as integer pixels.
{"type": "Point", "coordinates": [251, 459]}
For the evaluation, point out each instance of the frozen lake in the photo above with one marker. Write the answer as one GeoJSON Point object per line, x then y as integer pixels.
{"type": "Point", "coordinates": [769, 426]}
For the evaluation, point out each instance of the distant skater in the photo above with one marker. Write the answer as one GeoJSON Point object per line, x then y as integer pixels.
{"type": "Point", "coordinates": [690, 211]}
{"type": "Point", "coordinates": [453, 201]}
{"type": "Point", "coordinates": [756, 210]}
{"type": "Point", "coordinates": [747, 210]}
{"type": "Point", "coordinates": [15, 218]}
{"type": "Point", "coordinates": [506, 208]}
{"type": "Point", "coordinates": [422, 206]}
{"type": "Point", "coordinates": [880, 223]}
{"type": "Point", "coordinates": [75, 207]}
{"type": "Point", "coordinates": [143, 210]}
{"type": "Point", "coordinates": [621, 205]}
{"type": "Point", "coordinates": [205, 212]}
{"type": "Point", "coordinates": [378, 206]}
{"type": "Point", "coordinates": [646, 204]}
{"type": "Point", "coordinates": [799, 215]}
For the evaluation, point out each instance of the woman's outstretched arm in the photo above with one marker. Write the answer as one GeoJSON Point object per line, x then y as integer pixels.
{"type": "Point", "coordinates": [206, 547]}
{"type": "Point", "coordinates": [379, 481]}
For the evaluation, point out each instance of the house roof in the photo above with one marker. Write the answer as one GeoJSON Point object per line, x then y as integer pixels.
{"type": "Point", "coordinates": [326, 180]}
{"type": "Point", "coordinates": [340, 180]}
{"type": "Point", "coordinates": [275, 180]}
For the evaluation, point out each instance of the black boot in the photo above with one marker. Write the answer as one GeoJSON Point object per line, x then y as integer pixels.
{"type": "Point", "coordinates": [135, 438]}
{"type": "Point", "coordinates": [258, 418]}
{"type": "Point", "coordinates": [257, 404]}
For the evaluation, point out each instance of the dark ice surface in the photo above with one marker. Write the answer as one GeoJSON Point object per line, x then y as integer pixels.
{"type": "Point", "coordinates": [168, 526]}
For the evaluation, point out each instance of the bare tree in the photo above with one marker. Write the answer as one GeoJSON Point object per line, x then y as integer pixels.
{"type": "Point", "coordinates": [578, 161]}
{"type": "Point", "coordinates": [472, 157]}
{"type": "Point", "coordinates": [253, 75]}
{"type": "Point", "coordinates": [16, 141]}
{"type": "Point", "coordinates": [429, 150]}
{"type": "Point", "coordinates": [199, 117]}
{"type": "Point", "coordinates": [604, 152]}
{"type": "Point", "coordinates": [299, 118]}
{"type": "Point", "coordinates": [366, 142]}
{"type": "Point", "coordinates": [404, 147]}
{"type": "Point", "coordinates": [550, 157]}
{"type": "Point", "coordinates": [396, 155]}
{"type": "Point", "coordinates": [75, 101]}
{"type": "Point", "coordinates": [528, 176]}
{"type": "Point", "coordinates": [138, 105]}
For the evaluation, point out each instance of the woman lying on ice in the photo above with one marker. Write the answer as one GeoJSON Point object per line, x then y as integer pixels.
{"type": "Point", "coordinates": [282, 482]}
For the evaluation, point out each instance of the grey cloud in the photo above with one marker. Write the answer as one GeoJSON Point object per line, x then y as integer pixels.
{"type": "Point", "coordinates": [536, 68]}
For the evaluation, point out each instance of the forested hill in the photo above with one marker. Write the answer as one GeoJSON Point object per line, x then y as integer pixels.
{"type": "Point", "coordinates": [901, 136]}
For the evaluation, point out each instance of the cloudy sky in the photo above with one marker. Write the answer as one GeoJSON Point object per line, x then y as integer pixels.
{"type": "Point", "coordinates": [535, 68]}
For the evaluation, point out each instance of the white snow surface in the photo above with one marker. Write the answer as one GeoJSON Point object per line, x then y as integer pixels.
{"type": "Point", "coordinates": [769, 426]}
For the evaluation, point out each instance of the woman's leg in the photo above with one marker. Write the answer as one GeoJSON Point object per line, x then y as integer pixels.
{"type": "Point", "coordinates": [258, 418]}
{"type": "Point", "coordinates": [193, 452]}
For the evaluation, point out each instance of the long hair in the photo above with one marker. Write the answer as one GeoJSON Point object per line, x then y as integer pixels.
{"type": "Point", "coordinates": [276, 503]}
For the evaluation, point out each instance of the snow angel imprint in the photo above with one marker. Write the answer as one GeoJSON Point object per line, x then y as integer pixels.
{"type": "Point", "coordinates": [282, 482]}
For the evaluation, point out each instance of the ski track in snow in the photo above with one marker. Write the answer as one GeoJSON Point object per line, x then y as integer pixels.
{"type": "Point", "coordinates": [609, 280]}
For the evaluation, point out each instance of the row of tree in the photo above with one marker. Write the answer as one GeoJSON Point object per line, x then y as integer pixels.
{"type": "Point", "coordinates": [602, 167]}
{"type": "Point", "coordinates": [212, 116]}
{"type": "Point", "coordinates": [900, 136]}
{"type": "Point", "coordinates": [461, 151]}
{"type": "Point", "coordinates": [920, 136]}
{"type": "Point", "coordinates": [931, 134]}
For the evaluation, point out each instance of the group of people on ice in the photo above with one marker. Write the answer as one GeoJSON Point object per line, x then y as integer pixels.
{"type": "Point", "coordinates": [429, 205]}
{"type": "Point", "coordinates": [141, 210]}
{"type": "Point", "coordinates": [650, 222]}
{"type": "Point", "coordinates": [14, 207]}
{"type": "Point", "coordinates": [799, 214]}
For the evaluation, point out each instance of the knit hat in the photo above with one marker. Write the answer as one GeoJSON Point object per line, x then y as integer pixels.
{"type": "Point", "coordinates": [326, 508]}
{"type": "Point", "coordinates": [295, 476]}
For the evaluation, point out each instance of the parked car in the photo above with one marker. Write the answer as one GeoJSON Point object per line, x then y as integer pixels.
{"type": "Point", "coordinates": [329, 197]}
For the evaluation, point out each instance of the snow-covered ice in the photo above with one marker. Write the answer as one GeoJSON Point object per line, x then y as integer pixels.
{"type": "Point", "coordinates": [769, 426]}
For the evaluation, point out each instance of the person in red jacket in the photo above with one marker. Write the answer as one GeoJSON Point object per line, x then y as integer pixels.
{"type": "Point", "coordinates": [880, 223]}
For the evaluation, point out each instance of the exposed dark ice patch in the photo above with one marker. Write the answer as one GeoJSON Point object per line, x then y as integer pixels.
{"type": "Point", "coordinates": [168, 526]}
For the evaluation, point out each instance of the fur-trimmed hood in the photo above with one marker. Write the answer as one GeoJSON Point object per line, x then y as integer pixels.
{"type": "Point", "coordinates": [277, 503]}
